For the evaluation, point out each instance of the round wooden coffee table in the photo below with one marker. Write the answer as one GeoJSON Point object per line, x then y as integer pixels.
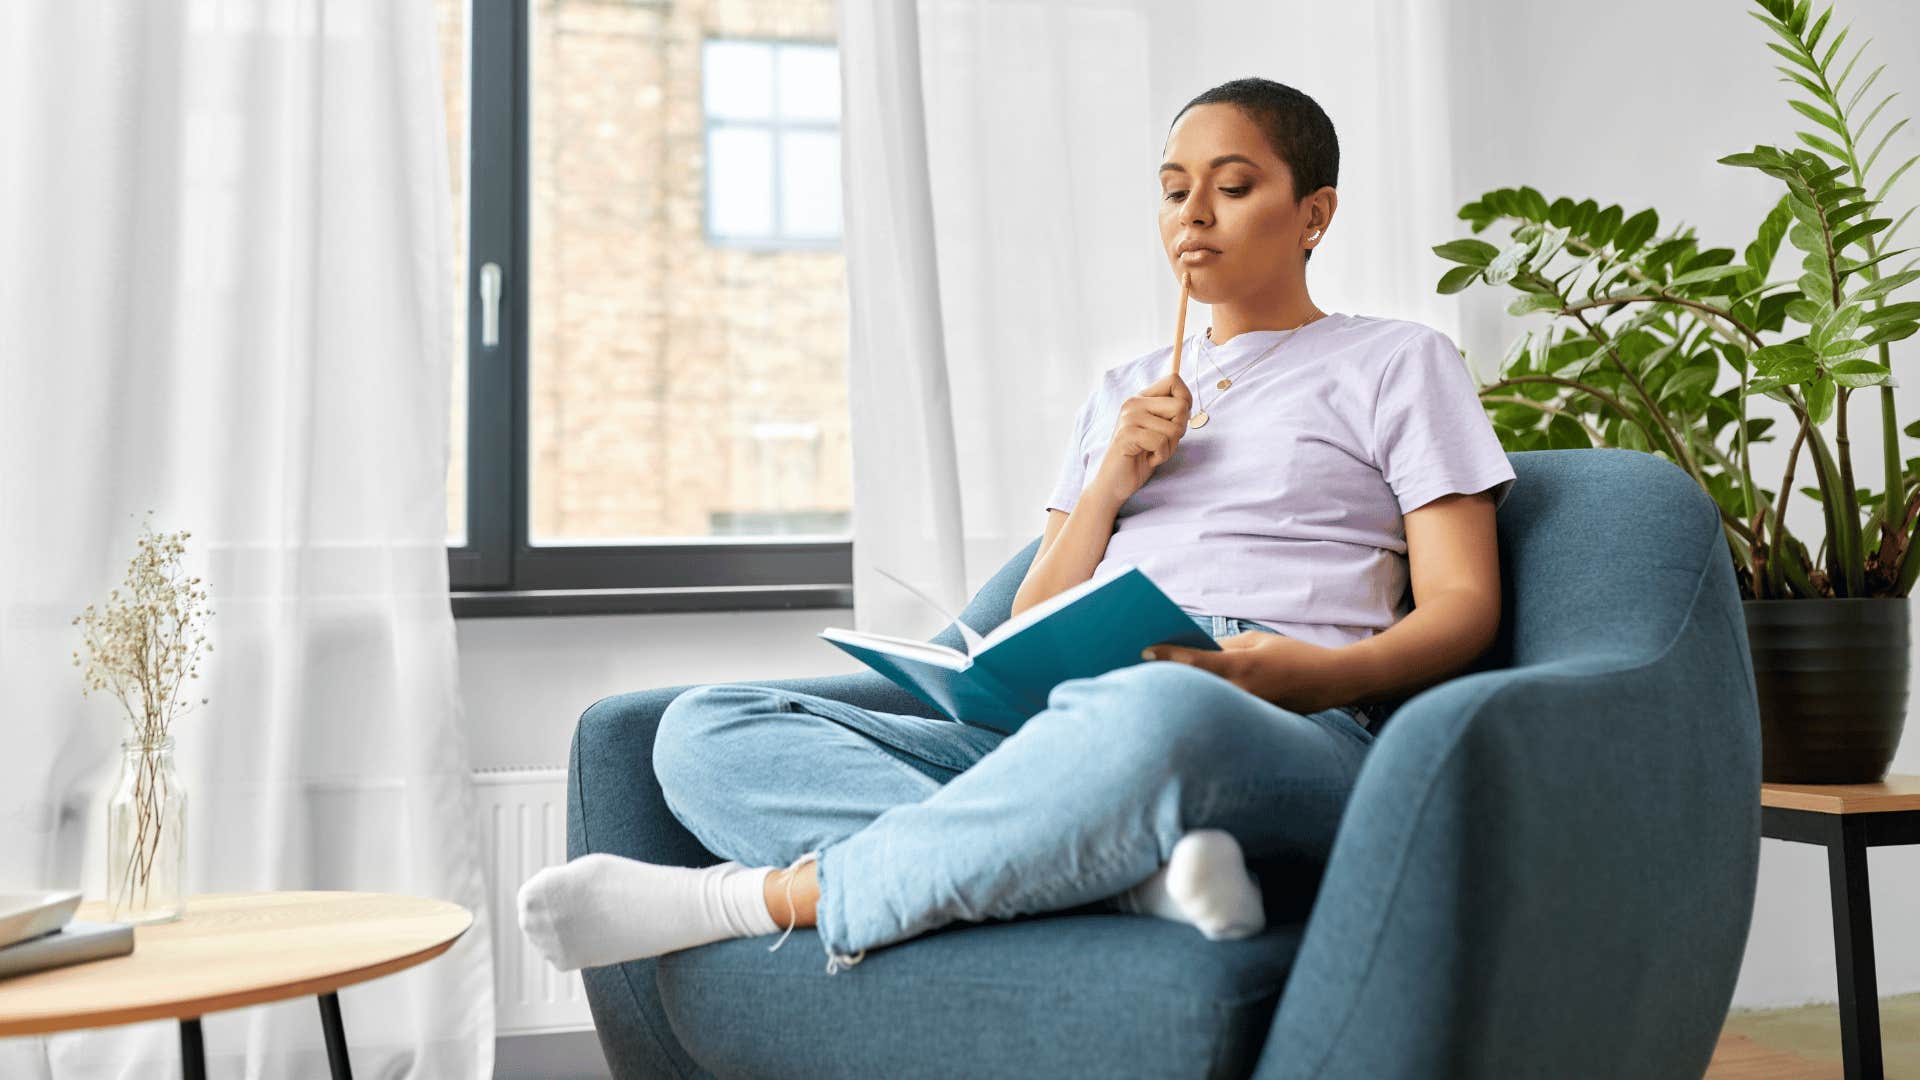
{"type": "Point", "coordinates": [232, 950]}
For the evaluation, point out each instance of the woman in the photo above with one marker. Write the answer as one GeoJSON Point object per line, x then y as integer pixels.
{"type": "Point", "coordinates": [1325, 463]}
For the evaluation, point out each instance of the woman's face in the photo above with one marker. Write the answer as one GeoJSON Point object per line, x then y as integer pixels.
{"type": "Point", "coordinates": [1222, 187]}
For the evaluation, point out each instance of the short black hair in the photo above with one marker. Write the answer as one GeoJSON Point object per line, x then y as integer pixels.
{"type": "Point", "coordinates": [1297, 129]}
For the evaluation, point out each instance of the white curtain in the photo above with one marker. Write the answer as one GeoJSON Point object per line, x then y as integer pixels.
{"type": "Point", "coordinates": [225, 296]}
{"type": "Point", "coordinates": [1001, 245]}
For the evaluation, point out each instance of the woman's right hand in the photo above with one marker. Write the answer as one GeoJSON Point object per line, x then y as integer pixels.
{"type": "Point", "coordinates": [1148, 429]}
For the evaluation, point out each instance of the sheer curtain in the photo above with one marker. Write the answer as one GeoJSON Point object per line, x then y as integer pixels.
{"type": "Point", "coordinates": [225, 289]}
{"type": "Point", "coordinates": [1001, 245]}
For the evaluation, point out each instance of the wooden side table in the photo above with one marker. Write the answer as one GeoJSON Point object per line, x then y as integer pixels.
{"type": "Point", "coordinates": [232, 950]}
{"type": "Point", "coordinates": [1847, 819]}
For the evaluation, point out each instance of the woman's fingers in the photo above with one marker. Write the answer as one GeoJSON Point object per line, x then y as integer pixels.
{"type": "Point", "coordinates": [1169, 426]}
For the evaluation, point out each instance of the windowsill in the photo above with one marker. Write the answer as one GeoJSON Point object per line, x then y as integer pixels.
{"type": "Point", "coordinates": [480, 604]}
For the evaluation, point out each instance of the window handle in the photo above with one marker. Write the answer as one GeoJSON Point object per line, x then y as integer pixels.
{"type": "Point", "coordinates": [490, 305]}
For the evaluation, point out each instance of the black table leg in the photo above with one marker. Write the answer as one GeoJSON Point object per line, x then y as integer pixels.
{"type": "Point", "coordinates": [1853, 953]}
{"type": "Point", "coordinates": [337, 1037]}
{"type": "Point", "coordinates": [193, 1053]}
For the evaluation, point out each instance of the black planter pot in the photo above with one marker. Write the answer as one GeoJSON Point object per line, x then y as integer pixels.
{"type": "Point", "coordinates": [1832, 681]}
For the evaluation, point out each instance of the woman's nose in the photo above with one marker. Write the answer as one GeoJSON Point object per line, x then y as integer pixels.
{"type": "Point", "coordinates": [1194, 211]}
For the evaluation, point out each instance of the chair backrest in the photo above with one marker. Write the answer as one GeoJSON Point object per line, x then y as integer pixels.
{"type": "Point", "coordinates": [1552, 858]}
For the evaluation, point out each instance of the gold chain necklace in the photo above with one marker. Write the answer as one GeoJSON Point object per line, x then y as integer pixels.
{"type": "Point", "coordinates": [1199, 419]}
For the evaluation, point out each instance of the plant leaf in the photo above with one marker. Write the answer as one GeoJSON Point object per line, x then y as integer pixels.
{"type": "Point", "coordinates": [1819, 116]}
{"type": "Point", "coordinates": [1821, 145]}
{"type": "Point", "coordinates": [1532, 302]}
{"type": "Point", "coordinates": [1859, 232]}
{"type": "Point", "coordinates": [1858, 367]}
{"type": "Point", "coordinates": [1534, 203]}
{"type": "Point", "coordinates": [1809, 310]}
{"type": "Point", "coordinates": [1890, 331]}
{"type": "Point", "coordinates": [1888, 182]}
{"type": "Point", "coordinates": [1820, 399]}
{"type": "Point", "coordinates": [1884, 136]}
{"type": "Point", "coordinates": [1849, 266]}
{"type": "Point", "coordinates": [1795, 56]}
{"type": "Point", "coordinates": [1861, 90]}
{"type": "Point", "coordinates": [1457, 279]}
{"type": "Point", "coordinates": [1710, 273]}
{"type": "Point", "coordinates": [1908, 310]}
{"type": "Point", "coordinates": [1469, 251]}
{"type": "Point", "coordinates": [1605, 225]}
{"type": "Point", "coordinates": [1813, 35]}
{"type": "Point", "coordinates": [1866, 124]}
{"type": "Point", "coordinates": [1506, 264]}
{"type": "Point", "coordinates": [1635, 231]}
{"type": "Point", "coordinates": [1836, 325]}
{"type": "Point", "coordinates": [1884, 286]}
{"type": "Point", "coordinates": [1768, 361]}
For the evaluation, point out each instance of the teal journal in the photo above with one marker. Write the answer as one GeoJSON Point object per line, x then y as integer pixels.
{"type": "Point", "coordinates": [1004, 677]}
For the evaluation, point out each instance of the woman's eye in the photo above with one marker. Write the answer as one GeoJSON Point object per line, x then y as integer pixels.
{"type": "Point", "coordinates": [1236, 192]}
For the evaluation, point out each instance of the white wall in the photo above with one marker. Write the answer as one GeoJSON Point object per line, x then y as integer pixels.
{"type": "Point", "coordinates": [1631, 108]}
{"type": "Point", "coordinates": [526, 680]}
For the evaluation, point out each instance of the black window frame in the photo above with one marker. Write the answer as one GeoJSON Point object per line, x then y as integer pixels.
{"type": "Point", "coordinates": [497, 571]}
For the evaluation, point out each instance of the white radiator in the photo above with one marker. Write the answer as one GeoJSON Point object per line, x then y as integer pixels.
{"type": "Point", "coordinates": [523, 816]}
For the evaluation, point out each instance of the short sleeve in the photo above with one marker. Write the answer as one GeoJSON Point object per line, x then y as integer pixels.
{"type": "Point", "coordinates": [1073, 467]}
{"type": "Point", "coordinates": [1431, 435]}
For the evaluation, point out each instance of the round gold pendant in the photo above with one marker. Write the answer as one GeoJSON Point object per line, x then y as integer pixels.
{"type": "Point", "coordinates": [1224, 383]}
{"type": "Point", "coordinates": [1198, 419]}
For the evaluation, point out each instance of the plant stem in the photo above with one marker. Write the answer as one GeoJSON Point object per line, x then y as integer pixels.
{"type": "Point", "coordinates": [1544, 406]}
{"type": "Point", "coordinates": [1682, 457]}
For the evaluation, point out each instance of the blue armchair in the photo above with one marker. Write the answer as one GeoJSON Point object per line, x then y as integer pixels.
{"type": "Point", "coordinates": [1546, 868]}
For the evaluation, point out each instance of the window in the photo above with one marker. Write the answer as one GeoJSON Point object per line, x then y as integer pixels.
{"type": "Point", "coordinates": [773, 143]}
{"type": "Point", "coordinates": [652, 409]}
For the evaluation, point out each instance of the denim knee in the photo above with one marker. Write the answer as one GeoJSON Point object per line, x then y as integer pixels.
{"type": "Point", "coordinates": [1170, 714]}
{"type": "Point", "coordinates": [685, 758]}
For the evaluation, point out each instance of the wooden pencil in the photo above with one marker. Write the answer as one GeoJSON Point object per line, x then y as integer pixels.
{"type": "Point", "coordinates": [1180, 320]}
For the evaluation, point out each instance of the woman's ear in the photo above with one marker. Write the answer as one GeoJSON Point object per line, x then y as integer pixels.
{"type": "Point", "coordinates": [1320, 207]}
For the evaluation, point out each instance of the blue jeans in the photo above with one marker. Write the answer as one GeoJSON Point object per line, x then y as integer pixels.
{"type": "Point", "coordinates": [913, 823]}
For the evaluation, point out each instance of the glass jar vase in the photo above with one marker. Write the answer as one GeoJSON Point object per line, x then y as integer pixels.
{"type": "Point", "coordinates": [147, 835]}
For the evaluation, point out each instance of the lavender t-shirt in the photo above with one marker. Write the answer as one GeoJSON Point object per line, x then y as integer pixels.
{"type": "Point", "coordinates": [1286, 507]}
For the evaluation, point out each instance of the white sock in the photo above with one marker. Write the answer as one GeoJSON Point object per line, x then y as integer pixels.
{"type": "Point", "coordinates": [603, 909]}
{"type": "Point", "coordinates": [1204, 884]}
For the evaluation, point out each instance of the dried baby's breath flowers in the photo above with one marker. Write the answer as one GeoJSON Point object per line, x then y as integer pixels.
{"type": "Point", "coordinates": [145, 645]}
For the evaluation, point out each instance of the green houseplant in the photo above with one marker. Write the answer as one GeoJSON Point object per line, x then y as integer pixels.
{"type": "Point", "coordinates": [1638, 325]}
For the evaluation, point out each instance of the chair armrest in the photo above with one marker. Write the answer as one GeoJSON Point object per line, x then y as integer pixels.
{"type": "Point", "coordinates": [613, 801]}
{"type": "Point", "coordinates": [614, 805]}
{"type": "Point", "coordinates": [1539, 866]}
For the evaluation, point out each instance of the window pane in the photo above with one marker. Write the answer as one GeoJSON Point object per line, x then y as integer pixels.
{"type": "Point", "coordinates": [679, 390]}
{"type": "Point", "coordinates": [809, 82]}
{"type": "Point", "coordinates": [740, 202]}
{"type": "Point", "coordinates": [453, 26]}
{"type": "Point", "coordinates": [739, 80]}
{"type": "Point", "coordinates": [810, 184]}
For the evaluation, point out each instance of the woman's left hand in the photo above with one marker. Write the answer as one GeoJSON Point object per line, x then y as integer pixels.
{"type": "Point", "coordinates": [1273, 667]}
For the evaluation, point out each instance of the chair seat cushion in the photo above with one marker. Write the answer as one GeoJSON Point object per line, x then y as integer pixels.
{"type": "Point", "coordinates": [1080, 993]}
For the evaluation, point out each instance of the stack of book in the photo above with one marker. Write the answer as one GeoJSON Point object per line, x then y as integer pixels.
{"type": "Point", "coordinates": [38, 931]}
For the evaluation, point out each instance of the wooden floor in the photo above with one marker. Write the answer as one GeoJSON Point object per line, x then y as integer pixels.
{"type": "Point", "coordinates": [1740, 1058]}
{"type": "Point", "coordinates": [1803, 1043]}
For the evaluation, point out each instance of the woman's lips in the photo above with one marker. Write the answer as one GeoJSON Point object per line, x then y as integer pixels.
{"type": "Point", "coordinates": [1198, 255]}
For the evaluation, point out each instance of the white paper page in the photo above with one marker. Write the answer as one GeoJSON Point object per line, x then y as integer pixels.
{"type": "Point", "coordinates": [968, 635]}
{"type": "Point", "coordinates": [914, 647]}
